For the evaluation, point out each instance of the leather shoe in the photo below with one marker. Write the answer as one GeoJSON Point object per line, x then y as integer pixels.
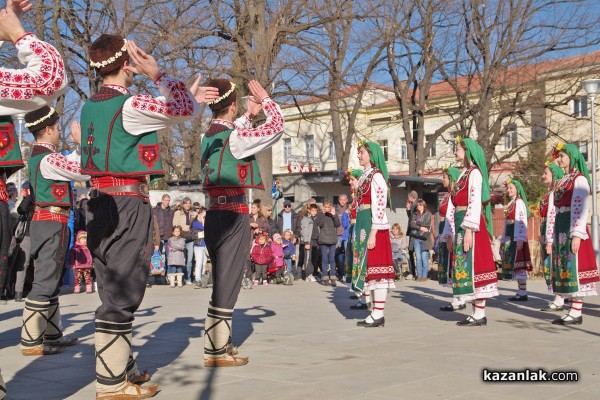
{"type": "Point", "coordinates": [63, 341]}
{"type": "Point", "coordinates": [450, 307]}
{"type": "Point", "coordinates": [359, 306]}
{"type": "Point", "coordinates": [518, 298]}
{"type": "Point", "coordinates": [568, 320]}
{"type": "Point", "coordinates": [376, 322]}
{"type": "Point", "coordinates": [129, 392]}
{"type": "Point", "coordinates": [42, 350]}
{"type": "Point", "coordinates": [353, 297]}
{"type": "Point", "coordinates": [225, 361]}
{"type": "Point", "coordinates": [552, 307]}
{"type": "Point", "coordinates": [470, 321]}
{"type": "Point", "coordinates": [139, 377]}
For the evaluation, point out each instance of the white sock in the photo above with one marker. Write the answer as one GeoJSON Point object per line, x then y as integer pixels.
{"type": "Point", "coordinates": [576, 306]}
{"type": "Point", "coordinates": [478, 308]}
{"type": "Point", "coordinates": [456, 302]}
{"type": "Point", "coordinates": [365, 298]}
{"type": "Point", "coordinates": [522, 287]}
{"type": "Point", "coordinates": [559, 300]}
{"type": "Point", "coordinates": [379, 303]}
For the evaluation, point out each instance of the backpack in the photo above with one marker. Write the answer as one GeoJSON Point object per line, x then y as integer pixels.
{"type": "Point", "coordinates": [157, 265]}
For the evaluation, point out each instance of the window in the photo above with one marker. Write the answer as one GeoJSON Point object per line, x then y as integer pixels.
{"type": "Point", "coordinates": [580, 107]}
{"type": "Point", "coordinates": [429, 138]}
{"type": "Point", "coordinates": [310, 146]}
{"type": "Point", "coordinates": [384, 147]}
{"type": "Point", "coordinates": [510, 137]}
{"type": "Point", "coordinates": [403, 150]}
{"type": "Point", "coordinates": [287, 150]}
{"type": "Point", "coordinates": [583, 148]}
{"type": "Point", "coordinates": [331, 147]}
{"type": "Point", "coordinates": [539, 133]}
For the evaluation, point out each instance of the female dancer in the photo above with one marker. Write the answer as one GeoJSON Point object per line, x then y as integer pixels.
{"type": "Point", "coordinates": [574, 271]}
{"type": "Point", "coordinates": [446, 258]}
{"type": "Point", "coordinates": [353, 175]}
{"type": "Point", "coordinates": [516, 261]}
{"type": "Point", "coordinates": [471, 216]}
{"type": "Point", "coordinates": [552, 173]}
{"type": "Point", "coordinates": [373, 268]}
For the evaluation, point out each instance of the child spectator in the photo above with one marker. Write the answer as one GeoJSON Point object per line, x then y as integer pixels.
{"type": "Point", "coordinates": [81, 262]}
{"type": "Point", "coordinates": [176, 260]}
{"type": "Point", "coordinates": [399, 243]}
{"type": "Point", "coordinates": [277, 250]}
{"type": "Point", "coordinates": [289, 252]}
{"type": "Point", "coordinates": [262, 257]}
{"type": "Point", "coordinates": [199, 247]}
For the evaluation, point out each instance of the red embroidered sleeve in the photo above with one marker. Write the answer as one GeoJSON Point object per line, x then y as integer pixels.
{"type": "Point", "coordinates": [179, 102]}
{"type": "Point", "coordinates": [144, 113]}
{"type": "Point", "coordinates": [43, 76]}
{"type": "Point", "coordinates": [245, 142]}
{"type": "Point", "coordinates": [58, 167]}
{"type": "Point", "coordinates": [579, 207]}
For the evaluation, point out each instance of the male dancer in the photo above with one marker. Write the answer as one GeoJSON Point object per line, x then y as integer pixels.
{"type": "Point", "coordinates": [21, 90]}
{"type": "Point", "coordinates": [229, 168]}
{"type": "Point", "coordinates": [121, 149]}
{"type": "Point", "coordinates": [50, 174]}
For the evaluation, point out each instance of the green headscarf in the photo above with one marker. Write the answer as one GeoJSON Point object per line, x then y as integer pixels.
{"type": "Point", "coordinates": [357, 173]}
{"type": "Point", "coordinates": [556, 171]}
{"type": "Point", "coordinates": [520, 193]}
{"type": "Point", "coordinates": [577, 160]}
{"type": "Point", "coordinates": [474, 154]}
{"type": "Point", "coordinates": [378, 161]}
{"type": "Point", "coordinates": [453, 173]}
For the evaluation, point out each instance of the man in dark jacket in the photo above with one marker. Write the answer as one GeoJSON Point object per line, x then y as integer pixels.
{"type": "Point", "coordinates": [164, 217]}
{"type": "Point", "coordinates": [327, 223]}
{"type": "Point", "coordinates": [411, 205]}
{"type": "Point", "coordinates": [286, 219]}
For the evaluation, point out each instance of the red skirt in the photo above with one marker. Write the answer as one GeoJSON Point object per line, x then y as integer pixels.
{"type": "Point", "coordinates": [379, 259]}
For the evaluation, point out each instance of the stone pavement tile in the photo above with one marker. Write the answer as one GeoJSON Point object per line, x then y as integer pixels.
{"type": "Point", "coordinates": [432, 385]}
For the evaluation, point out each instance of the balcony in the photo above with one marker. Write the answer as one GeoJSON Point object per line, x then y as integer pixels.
{"type": "Point", "coordinates": [299, 164]}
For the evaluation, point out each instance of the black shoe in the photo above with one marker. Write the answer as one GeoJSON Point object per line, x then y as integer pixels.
{"type": "Point", "coordinates": [376, 322]}
{"type": "Point", "coordinates": [470, 321]}
{"type": "Point", "coordinates": [518, 298]}
{"type": "Point", "coordinates": [332, 281]}
{"type": "Point", "coordinates": [568, 320]}
{"type": "Point", "coordinates": [450, 307]}
{"type": "Point", "coordinates": [359, 306]}
{"type": "Point", "coordinates": [354, 297]}
{"type": "Point", "coordinates": [18, 297]}
{"type": "Point", "coordinates": [552, 307]}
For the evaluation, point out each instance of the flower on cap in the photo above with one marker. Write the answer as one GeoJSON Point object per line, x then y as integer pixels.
{"type": "Point", "coordinates": [557, 148]}
{"type": "Point", "coordinates": [225, 95]}
{"type": "Point", "coordinates": [111, 59]}
{"type": "Point", "coordinates": [508, 182]}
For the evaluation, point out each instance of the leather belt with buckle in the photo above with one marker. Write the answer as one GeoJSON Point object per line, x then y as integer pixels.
{"type": "Point", "coordinates": [54, 210]}
{"type": "Point", "coordinates": [137, 188]}
{"type": "Point", "coordinates": [214, 200]}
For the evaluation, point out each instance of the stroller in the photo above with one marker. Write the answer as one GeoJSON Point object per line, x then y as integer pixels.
{"type": "Point", "coordinates": [278, 275]}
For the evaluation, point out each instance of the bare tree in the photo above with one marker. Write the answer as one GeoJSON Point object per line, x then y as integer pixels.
{"type": "Point", "coordinates": [491, 71]}
{"type": "Point", "coordinates": [257, 31]}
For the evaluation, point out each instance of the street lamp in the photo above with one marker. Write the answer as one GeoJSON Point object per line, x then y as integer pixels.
{"type": "Point", "coordinates": [592, 87]}
{"type": "Point", "coordinates": [20, 119]}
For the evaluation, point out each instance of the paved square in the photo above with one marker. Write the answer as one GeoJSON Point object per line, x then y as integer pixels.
{"type": "Point", "coordinates": [303, 343]}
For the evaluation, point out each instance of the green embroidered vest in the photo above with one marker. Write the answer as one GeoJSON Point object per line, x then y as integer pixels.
{"type": "Point", "coordinates": [220, 169]}
{"type": "Point", "coordinates": [107, 148]}
{"type": "Point", "coordinates": [10, 152]}
{"type": "Point", "coordinates": [47, 192]}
